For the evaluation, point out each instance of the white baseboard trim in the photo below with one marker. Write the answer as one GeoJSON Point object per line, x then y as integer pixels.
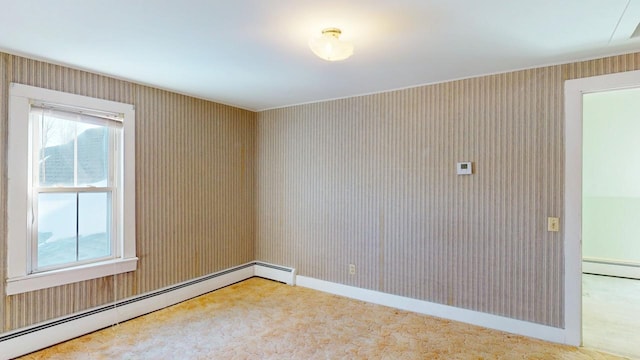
{"type": "Point", "coordinates": [604, 267]}
{"type": "Point", "coordinates": [33, 338]}
{"type": "Point", "coordinates": [496, 322]}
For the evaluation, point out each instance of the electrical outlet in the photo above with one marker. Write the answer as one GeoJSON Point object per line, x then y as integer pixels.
{"type": "Point", "coordinates": [352, 269]}
{"type": "Point", "coordinates": [553, 224]}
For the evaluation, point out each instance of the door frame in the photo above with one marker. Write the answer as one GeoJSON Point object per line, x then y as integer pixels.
{"type": "Point", "coordinates": [573, 91]}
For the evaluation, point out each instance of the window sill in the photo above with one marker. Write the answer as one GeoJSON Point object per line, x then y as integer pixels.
{"type": "Point", "coordinates": [53, 278]}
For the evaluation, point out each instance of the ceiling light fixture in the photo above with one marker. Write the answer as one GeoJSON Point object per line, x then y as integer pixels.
{"type": "Point", "coordinates": [329, 46]}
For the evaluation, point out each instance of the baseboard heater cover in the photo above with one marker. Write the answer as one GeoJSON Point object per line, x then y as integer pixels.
{"type": "Point", "coordinates": [609, 267]}
{"type": "Point", "coordinates": [36, 337]}
{"type": "Point", "coordinates": [275, 272]}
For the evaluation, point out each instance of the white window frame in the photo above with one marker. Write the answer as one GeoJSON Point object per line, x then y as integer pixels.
{"type": "Point", "coordinates": [20, 277]}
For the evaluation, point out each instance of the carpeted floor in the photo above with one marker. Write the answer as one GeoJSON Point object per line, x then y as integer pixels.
{"type": "Point", "coordinates": [261, 319]}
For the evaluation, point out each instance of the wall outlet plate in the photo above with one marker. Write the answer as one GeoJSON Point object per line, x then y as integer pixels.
{"type": "Point", "coordinates": [352, 269]}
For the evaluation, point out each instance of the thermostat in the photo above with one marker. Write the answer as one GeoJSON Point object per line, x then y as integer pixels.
{"type": "Point", "coordinates": [464, 168]}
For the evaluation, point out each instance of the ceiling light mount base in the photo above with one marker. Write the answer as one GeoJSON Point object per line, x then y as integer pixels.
{"type": "Point", "coordinates": [335, 32]}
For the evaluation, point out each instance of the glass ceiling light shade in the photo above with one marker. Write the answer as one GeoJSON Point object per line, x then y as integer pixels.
{"type": "Point", "coordinates": [329, 46]}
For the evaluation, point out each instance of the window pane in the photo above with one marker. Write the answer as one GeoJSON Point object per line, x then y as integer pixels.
{"type": "Point", "coordinates": [59, 141]}
{"type": "Point", "coordinates": [56, 160]}
{"type": "Point", "coordinates": [93, 150]}
{"type": "Point", "coordinates": [94, 225]}
{"type": "Point", "coordinates": [56, 229]}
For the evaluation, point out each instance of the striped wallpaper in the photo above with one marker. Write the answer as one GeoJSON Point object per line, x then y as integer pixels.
{"type": "Point", "coordinates": [371, 181]}
{"type": "Point", "coordinates": [367, 180]}
{"type": "Point", "coordinates": [195, 203]}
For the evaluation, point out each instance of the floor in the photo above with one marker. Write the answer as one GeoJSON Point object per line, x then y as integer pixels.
{"type": "Point", "coordinates": [262, 319]}
{"type": "Point", "coordinates": [611, 314]}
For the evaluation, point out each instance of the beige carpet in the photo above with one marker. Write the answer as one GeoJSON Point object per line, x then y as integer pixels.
{"type": "Point", "coordinates": [261, 319]}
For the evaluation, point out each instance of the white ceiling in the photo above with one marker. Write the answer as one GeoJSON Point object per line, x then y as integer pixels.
{"type": "Point", "coordinates": [253, 53]}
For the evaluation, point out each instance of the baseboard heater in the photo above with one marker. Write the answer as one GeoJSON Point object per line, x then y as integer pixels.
{"type": "Point", "coordinates": [32, 338]}
{"type": "Point", "coordinates": [611, 268]}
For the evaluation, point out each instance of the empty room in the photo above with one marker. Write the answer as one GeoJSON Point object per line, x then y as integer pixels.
{"type": "Point", "coordinates": [261, 179]}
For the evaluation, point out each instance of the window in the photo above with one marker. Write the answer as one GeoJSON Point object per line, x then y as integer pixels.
{"type": "Point", "coordinates": [71, 188]}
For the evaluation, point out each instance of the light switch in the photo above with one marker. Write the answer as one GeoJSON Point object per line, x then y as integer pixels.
{"type": "Point", "coordinates": [553, 224]}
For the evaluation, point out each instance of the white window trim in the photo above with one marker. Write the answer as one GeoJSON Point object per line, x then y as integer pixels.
{"type": "Point", "coordinates": [18, 217]}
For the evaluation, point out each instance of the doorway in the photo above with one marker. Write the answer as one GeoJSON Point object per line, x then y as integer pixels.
{"type": "Point", "coordinates": [602, 207]}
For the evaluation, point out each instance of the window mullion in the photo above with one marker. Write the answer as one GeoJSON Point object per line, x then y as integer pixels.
{"type": "Point", "coordinates": [75, 155]}
{"type": "Point", "coordinates": [77, 226]}
{"type": "Point", "coordinates": [72, 189]}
